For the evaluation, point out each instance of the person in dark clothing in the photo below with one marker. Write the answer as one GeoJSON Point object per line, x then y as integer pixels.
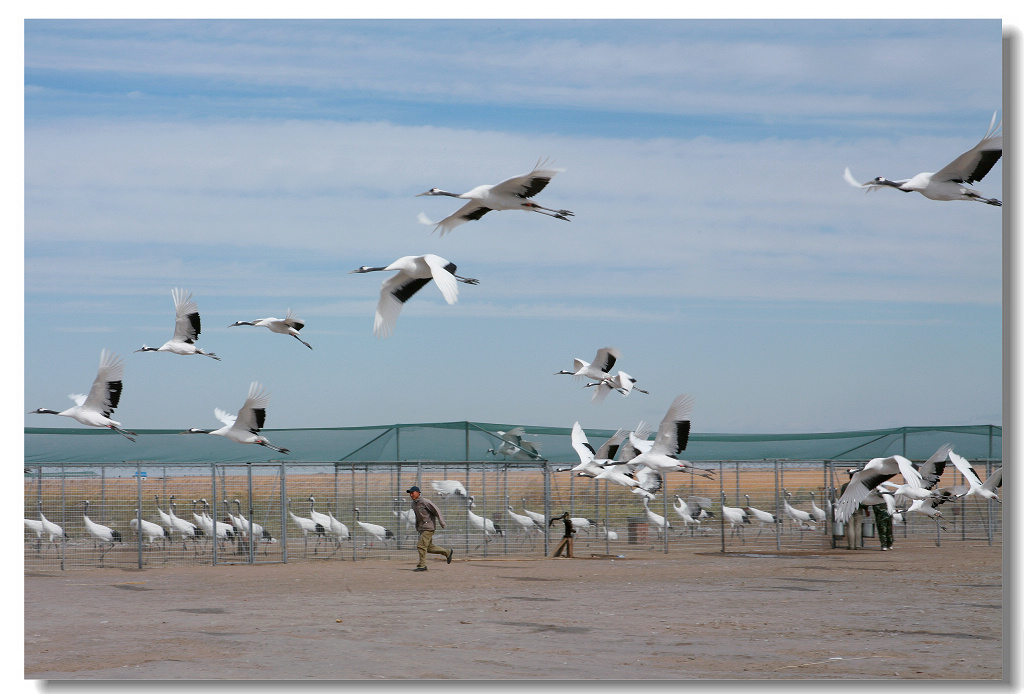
{"type": "Point", "coordinates": [883, 523]}
{"type": "Point", "coordinates": [566, 543]}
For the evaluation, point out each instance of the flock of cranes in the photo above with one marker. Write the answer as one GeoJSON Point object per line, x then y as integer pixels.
{"type": "Point", "coordinates": [96, 408]}
{"type": "Point", "coordinates": [412, 273]}
{"type": "Point", "coordinates": [628, 459]}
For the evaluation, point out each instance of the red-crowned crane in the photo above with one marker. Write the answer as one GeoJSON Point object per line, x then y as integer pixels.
{"type": "Point", "coordinates": [245, 426]}
{"type": "Point", "coordinates": [863, 481]}
{"type": "Point", "coordinates": [95, 408]}
{"type": "Point", "coordinates": [511, 194]}
{"type": "Point", "coordinates": [673, 433]}
{"type": "Point", "coordinates": [100, 533]}
{"type": "Point", "coordinates": [378, 532]}
{"type": "Point", "coordinates": [986, 489]}
{"type": "Point", "coordinates": [413, 272]}
{"type": "Point", "coordinates": [186, 328]}
{"type": "Point", "coordinates": [289, 325]}
{"type": "Point", "coordinates": [622, 382]}
{"type": "Point", "coordinates": [950, 182]}
{"type": "Point", "coordinates": [597, 370]}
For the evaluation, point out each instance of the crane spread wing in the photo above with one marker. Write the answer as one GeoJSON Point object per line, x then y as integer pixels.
{"type": "Point", "coordinates": [994, 481]}
{"type": "Point", "coordinates": [965, 469]}
{"type": "Point", "coordinates": [857, 489]}
{"type": "Point", "coordinates": [105, 393]}
{"type": "Point", "coordinates": [394, 292]}
{"type": "Point", "coordinates": [224, 416]}
{"type": "Point", "coordinates": [674, 430]}
{"type": "Point", "coordinates": [186, 321]}
{"type": "Point", "coordinates": [469, 212]}
{"type": "Point", "coordinates": [582, 446]}
{"type": "Point", "coordinates": [294, 321]}
{"type": "Point", "coordinates": [649, 480]}
{"type": "Point", "coordinates": [443, 272]}
{"type": "Point", "coordinates": [610, 447]}
{"type": "Point", "coordinates": [931, 470]}
{"type": "Point", "coordinates": [253, 414]}
{"type": "Point", "coordinates": [975, 163]}
{"type": "Point", "coordinates": [527, 185]}
{"type": "Point", "coordinates": [606, 358]}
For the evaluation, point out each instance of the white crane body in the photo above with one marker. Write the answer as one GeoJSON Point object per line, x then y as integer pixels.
{"type": "Point", "coordinates": [413, 273]}
{"type": "Point", "coordinates": [187, 327]}
{"type": "Point", "coordinates": [511, 194]}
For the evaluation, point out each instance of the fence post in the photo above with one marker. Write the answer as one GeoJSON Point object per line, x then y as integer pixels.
{"type": "Point", "coordinates": [664, 514]}
{"type": "Point", "coordinates": [284, 500]}
{"type": "Point", "coordinates": [721, 513]}
{"type": "Point", "coordinates": [778, 518]}
{"type": "Point", "coordinates": [138, 509]}
{"type": "Point", "coordinates": [547, 506]}
{"type": "Point", "coordinates": [213, 493]}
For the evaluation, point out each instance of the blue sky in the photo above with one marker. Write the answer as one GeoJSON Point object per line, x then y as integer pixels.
{"type": "Point", "coordinates": [715, 242]}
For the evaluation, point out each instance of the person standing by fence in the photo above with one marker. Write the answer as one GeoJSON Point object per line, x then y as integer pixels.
{"type": "Point", "coordinates": [854, 529]}
{"type": "Point", "coordinates": [427, 514]}
{"type": "Point", "coordinates": [566, 542]}
{"type": "Point", "coordinates": [883, 523]}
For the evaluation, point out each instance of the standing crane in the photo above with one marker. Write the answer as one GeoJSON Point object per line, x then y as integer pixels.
{"type": "Point", "coordinates": [762, 517]}
{"type": "Point", "coordinates": [537, 518]}
{"type": "Point", "coordinates": [95, 408]}
{"type": "Point", "coordinates": [950, 182]}
{"type": "Point", "coordinates": [511, 194]}
{"type": "Point", "coordinates": [245, 426]}
{"type": "Point", "coordinates": [339, 531]}
{"type": "Point", "coordinates": [186, 328]}
{"type": "Point", "coordinates": [100, 533]}
{"type": "Point", "coordinates": [413, 273]}
{"type": "Point", "coordinates": [659, 521]}
{"type": "Point", "coordinates": [378, 532]}
{"type": "Point", "coordinates": [307, 526]}
{"type": "Point", "coordinates": [150, 530]}
{"type": "Point", "coordinates": [485, 525]}
{"type": "Point", "coordinates": [187, 529]}
{"type": "Point", "coordinates": [801, 518]}
{"type": "Point", "coordinates": [251, 530]}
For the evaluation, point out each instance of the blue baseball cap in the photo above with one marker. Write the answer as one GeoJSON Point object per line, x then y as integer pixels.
{"type": "Point", "coordinates": [412, 489]}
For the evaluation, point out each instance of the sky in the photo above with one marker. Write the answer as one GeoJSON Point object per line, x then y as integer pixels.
{"type": "Point", "coordinates": [714, 243]}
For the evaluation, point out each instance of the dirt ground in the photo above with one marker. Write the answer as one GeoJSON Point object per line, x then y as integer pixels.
{"type": "Point", "coordinates": [914, 613]}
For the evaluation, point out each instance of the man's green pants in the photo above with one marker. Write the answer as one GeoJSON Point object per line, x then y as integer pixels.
{"type": "Point", "coordinates": [426, 545]}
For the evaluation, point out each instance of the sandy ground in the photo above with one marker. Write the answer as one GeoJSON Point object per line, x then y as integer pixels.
{"type": "Point", "coordinates": [914, 613]}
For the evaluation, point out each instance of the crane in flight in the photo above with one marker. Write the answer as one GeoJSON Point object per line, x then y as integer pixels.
{"type": "Point", "coordinates": [597, 370]}
{"type": "Point", "coordinates": [186, 328]}
{"type": "Point", "coordinates": [672, 437]}
{"type": "Point", "coordinates": [413, 273]}
{"type": "Point", "coordinates": [951, 181]}
{"type": "Point", "coordinates": [289, 325]}
{"type": "Point", "coordinates": [95, 408]}
{"type": "Point", "coordinates": [511, 194]}
{"type": "Point", "coordinates": [245, 426]}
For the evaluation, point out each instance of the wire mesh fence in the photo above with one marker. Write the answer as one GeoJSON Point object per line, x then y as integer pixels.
{"type": "Point", "coordinates": [136, 515]}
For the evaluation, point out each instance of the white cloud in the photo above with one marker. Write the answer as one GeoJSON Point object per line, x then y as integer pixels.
{"type": "Point", "coordinates": [697, 217]}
